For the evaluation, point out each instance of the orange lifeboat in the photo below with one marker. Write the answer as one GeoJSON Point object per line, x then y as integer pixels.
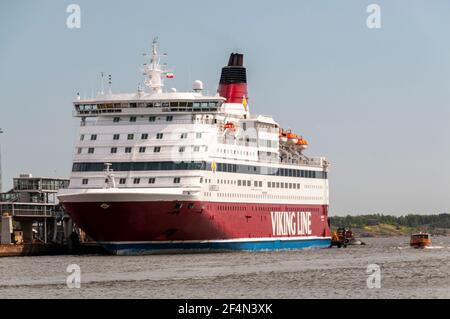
{"type": "Point", "coordinates": [292, 138]}
{"type": "Point", "coordinates": [302, 143]}
{"type": "Point", "coordinates": [229, 125]}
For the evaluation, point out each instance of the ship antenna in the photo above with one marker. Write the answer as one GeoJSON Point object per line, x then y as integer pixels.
{"type": "Point", "coordinates": [102, 78]}
{"type": "Point", "coordinates": [109, 83]}
{"type": "Point", "coordinates": [154, 70]}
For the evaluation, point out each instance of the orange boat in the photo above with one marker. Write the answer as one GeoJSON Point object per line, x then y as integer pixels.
{"type": "Point", "coordinates": [420, 240]}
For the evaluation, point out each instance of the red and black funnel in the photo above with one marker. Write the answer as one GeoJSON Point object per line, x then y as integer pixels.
{"type": "Point", "coordinates": [233, 80]}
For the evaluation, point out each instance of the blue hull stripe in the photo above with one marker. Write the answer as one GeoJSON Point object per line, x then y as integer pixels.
{"type": "Point", "coordinates": [148, 248]}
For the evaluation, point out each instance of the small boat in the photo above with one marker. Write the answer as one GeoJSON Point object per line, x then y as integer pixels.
{"type": "Point", "coordinates": [420, 240]}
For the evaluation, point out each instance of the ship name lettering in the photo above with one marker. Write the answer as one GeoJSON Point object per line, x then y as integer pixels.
{"type": "Point", "coordinates": [291, 223]}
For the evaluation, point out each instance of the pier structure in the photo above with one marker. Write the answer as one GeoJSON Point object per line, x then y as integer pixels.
{"type": "Point", "coordinates": [30, 212]}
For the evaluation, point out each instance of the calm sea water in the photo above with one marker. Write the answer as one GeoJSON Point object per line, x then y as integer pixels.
{"type": "Point", "coordinates": [315, 273]}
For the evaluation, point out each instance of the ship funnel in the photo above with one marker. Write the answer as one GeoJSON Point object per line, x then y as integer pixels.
{"type": "Point", "coordinates": [233, 80]}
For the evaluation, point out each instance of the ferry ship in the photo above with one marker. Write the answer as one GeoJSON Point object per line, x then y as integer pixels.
{"type": "Point", "coordinates": [158, 170]}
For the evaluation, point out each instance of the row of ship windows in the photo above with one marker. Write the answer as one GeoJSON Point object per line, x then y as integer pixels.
{"type": "Point", "coordinates": [136, 180]}
{"type": "Point", "coordinates": [263, 196]}
{"type": "Point", "coordinates": [142, 149]}
{"type": "Point", "coordinates": [240, 182]}
{"type": "Point", "coordinates": [87, 107]}
{"type": "Point", "coordinates": [144, 136]}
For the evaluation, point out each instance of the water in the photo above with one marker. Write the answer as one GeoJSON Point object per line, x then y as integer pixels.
{"type": "Point", "coordinates": [316, 273]}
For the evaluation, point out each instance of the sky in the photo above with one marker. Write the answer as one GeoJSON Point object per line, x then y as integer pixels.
{"type": "Point", "coordinates": [375, 102]}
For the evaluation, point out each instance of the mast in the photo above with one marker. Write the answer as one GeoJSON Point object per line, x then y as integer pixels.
{"type": "Point", "coordinates": [154, 70]}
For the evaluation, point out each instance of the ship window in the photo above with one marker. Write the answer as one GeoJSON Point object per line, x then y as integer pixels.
{"type": "Point", "coordinates": [157, 149]}
{"type": "Point", "coordinates": [116, 119]}
{"type": "Point", "coordinates": [290, 185]}
{"type": "Point", "coordinates": [152, 119]}
{"type": "Point", "coordinates": [249, 183]}
{"type": "Point", "coordinates": [196, 104]}
{"type": "Point", "coordinates": [116, 136]}
{"type": "Point", "coordinates": [144, 136]}
{"type": "Point", "coordinates": [130, 136]}
{"type": "Point", "coordinates": [93, 137]}
{"type": "Point", "coordinates": [196, 148]}
{"type": "Point", "coordinates": [133, 119]}
{"type": "Point", "coordinates": [184, 135]}
{"type": "Point", "coordinates": [198, 135]}
{"type": "Point", "coordinates": [149, 105]}
{"type": "Point", "coordinates": [191, 205]}
{"type": "Point", "coordinates": [278, 184]}
{"type": "Point", "coordinates": [165, 104]}
{"type": "Point", "coordinates": [201, 179]}
{"type": "Point", "coordinates": [204, 104]}
{"type": "Point", "coordinates": [91, 150]}
{"type": "Point", "coordinates": [174, 104]}
{"type": "Point", "coordinates": [142, 149]}
{"type": "Point", "coordinates": [255, 183]}
{"type": "Point", "coordinates": [157, 104]}
{"type": "Point", "coordinates": [176, 180]}
{"type": "Point", "coordinates": [113, 150]}
{"type": "Point", "coordinates": [178, 205]}
{"type": "Point", "coordinates": [151, 180]}
{"type": "Point", "coordinates": [260, 184]}
{"type": "Point", "coordinates": [269, 184]}
{"type": "Point", "coordinates": [239, 182]}
{"type": "Point", "coordinates": [181, 149]}
{"type": "Point", "coordinates": [82, 137]}
{"type": "Point", "coordinates": [122, 181]}
{"type": "Point", "coordinates": [127, 149]}
{"type": "Point", "coordinates": [79, 150]}
{"type": "Point", "coordinates": [169, 118]}
{"type": "Point", "coordinates": [84, 181]}
{"type": "Point", "coordinates": [136, 181]}
{"type": "Point", "coordinates": [133, 105]}
{"type": "Point", "coordinates": [159, 136]}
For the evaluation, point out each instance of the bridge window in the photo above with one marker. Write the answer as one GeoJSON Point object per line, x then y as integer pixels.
{"type": "Point", "coordinates": [93, 137]}
{"type": "Point", "coordinates": [144, 136]}
{"type": "Point", "coordinates": [91, 150]}
{"type": "Point", "coordinates": [122, 181]}
{"type": "Point", "coordinates": [142, 149]}
{"type": "Point", "coordinates": [130, 136]}
{"type": "Point", "coordinates": [116, 119]}
{"type": "Point", "coordinates": [127, 149]}
{"type": "Point", "coordinates": [157, 149]}
{"type": "Point", "coordinates": [152, 119]}
{"type": "Point", "coordinates": [151, 180]}
{"type": "Point", "coordinates": [169, 118]}
{"type": "Point", "coordinates": [136, 181]}
{"type": "Point", "coordinates": [113, 150]}
{"type": "Point", "coordinates": [176, 180]}
{"type": "Point", "coordinates": [85, 181]}
{"type": "Point", "coordinates": [133, 119]}
{"type": "Point", "coordinates": [159, 136]}
{"type": "Point", "coordinates": [116, 136]}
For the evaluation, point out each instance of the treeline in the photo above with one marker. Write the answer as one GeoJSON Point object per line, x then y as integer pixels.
{"type": "Point", "coordinates": [434, 221]}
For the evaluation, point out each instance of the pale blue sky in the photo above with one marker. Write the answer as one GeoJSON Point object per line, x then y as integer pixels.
{"type": "Point", "coordinates": [375, 102]}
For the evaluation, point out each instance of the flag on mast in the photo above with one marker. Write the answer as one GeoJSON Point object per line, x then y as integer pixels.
{"type": "Point", "coordinates": [169, 75]}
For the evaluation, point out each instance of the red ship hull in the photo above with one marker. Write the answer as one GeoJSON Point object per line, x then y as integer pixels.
{"type": "Point", "coordinates": [146, 227]}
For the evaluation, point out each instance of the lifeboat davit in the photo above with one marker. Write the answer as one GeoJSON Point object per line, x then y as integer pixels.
{"type": "Point", "coordinates": [283, 137]}
{"type": "Point", "coordinates": [302, 143]}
